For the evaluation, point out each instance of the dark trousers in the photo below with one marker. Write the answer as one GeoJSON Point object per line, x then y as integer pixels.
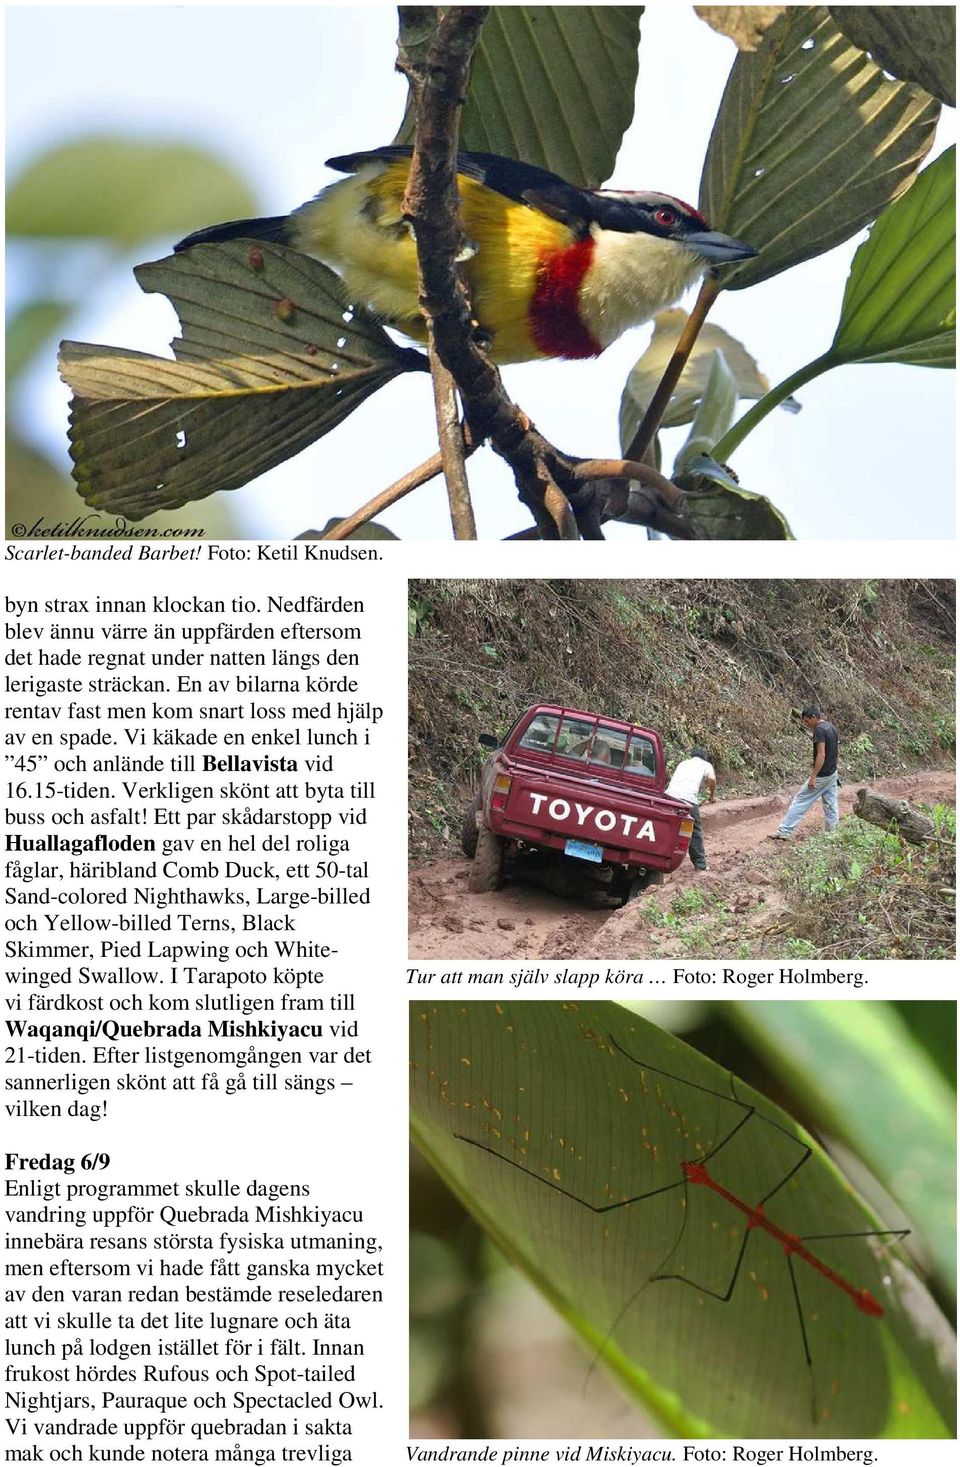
{"type": "Point", "coordinates": [696, 849]}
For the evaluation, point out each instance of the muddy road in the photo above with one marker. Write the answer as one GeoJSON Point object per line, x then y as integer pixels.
{"type": "Point", "coordinates": [522, 921]}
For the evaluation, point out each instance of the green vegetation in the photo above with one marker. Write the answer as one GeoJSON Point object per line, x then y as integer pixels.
{"type": "Point", "coordinates": [557, 1091]}
{"type": "Point", "coordinates": [697, 926]}
{"type": "Point", "coordinates": [861, 892]}
{"type": "Point", "coordinates": [858, 892]}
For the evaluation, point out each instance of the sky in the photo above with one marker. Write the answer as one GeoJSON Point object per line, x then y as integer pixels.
{"type": "Point", "coordinates": [275, 91]}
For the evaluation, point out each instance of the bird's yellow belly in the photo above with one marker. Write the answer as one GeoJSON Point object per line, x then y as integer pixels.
{"type": "Point", "coordinates": [356, 227]}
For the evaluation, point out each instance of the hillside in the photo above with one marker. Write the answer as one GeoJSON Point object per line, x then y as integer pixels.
{"type": "Point", "coordinates": [725, 664]}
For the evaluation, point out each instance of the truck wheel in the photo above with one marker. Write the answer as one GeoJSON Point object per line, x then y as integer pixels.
{"type": "Point", "coordinates": [486, 873]}
{"type": "Point", "coordinates": [468, 831]}
{"type": "Point", "coordinates": [642, 883]}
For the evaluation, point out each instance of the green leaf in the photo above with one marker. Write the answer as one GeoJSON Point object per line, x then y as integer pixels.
{"type": "Point", "coordinates": [29, 328]}
{"type": "Point", "coordinates": [937, 1039]}
{"type": "Point", "coordinates": [551, 85]}
{"type": "Point", "coordinates": [811, 142]}
{"type": "Point", "coordinates": [125, 191]}
{"type": "Point", "coordinates": [272, 356]}
{"type": "Point", "coordinates": [900, 300]}
{"type": "Point", "coordinates": [872, 1085]}
{"type": "Point", "coordinates": [42, 502]}
{"type": "Point", "coordinates": [714, 414]}
{"type": "Point", "coordinates": [725, 511]}
{"type": "Point", "coordinates": [532, 1111]}
{"type": "Point", "coordinates": [648, 370]}
{"type": "Point", "coordinates": [915, 42]}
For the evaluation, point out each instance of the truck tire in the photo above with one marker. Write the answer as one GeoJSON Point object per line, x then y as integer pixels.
{"type": "Point", "coordinates": [486, 873]}
{"type": "Point", "coordinates": [641, 884]}
{"type": "Point", "coordinates": [468, 831]}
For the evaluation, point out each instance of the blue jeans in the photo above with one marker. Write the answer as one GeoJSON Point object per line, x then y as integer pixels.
{"type": "Point", "coordinates": [825, 789]}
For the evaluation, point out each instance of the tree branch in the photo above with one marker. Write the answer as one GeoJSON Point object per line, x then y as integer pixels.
{"type": "Point", "coordinates": [451, 450]}
{"type": "Point", "coordinates": [653, 417]}
{"type": "Point", "coordinates": [565, 500]}
{"type": "Point", "coordinates": [422, 474]}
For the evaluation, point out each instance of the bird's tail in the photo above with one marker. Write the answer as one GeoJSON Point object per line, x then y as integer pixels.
{"type": "Point", "coordinates": [273, 231]}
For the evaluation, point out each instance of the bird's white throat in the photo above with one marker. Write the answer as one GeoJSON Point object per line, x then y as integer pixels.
{"type": "Point", "coordinates": [631, 278]}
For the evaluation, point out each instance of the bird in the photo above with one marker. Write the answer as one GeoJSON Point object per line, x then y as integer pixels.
{"type": "Point", "coordinates": [553, 270]}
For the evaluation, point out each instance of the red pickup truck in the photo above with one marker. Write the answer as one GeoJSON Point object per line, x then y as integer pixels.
{"type": "Point", "coordinates": [580, 791]}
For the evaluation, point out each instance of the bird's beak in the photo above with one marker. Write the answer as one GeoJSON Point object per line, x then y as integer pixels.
{"type": "Point", "coordinates": [718, 247]}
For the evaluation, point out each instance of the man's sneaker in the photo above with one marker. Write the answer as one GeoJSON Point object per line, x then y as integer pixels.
{"type": "Point", "coordinates": [779, 835]}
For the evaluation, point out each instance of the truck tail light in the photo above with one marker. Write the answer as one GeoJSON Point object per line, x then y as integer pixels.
{"type": "Point", "coordinates": [686, 827]}
{"type": "Point", "coordinates": [501, 789]}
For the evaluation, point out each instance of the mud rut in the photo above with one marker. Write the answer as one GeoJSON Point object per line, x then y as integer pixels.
{"type": "Point", "coordinates": [524, 922]}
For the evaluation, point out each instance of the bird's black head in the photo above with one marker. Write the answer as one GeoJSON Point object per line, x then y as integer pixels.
{"type": "Point", "coordinates": [665, 217]}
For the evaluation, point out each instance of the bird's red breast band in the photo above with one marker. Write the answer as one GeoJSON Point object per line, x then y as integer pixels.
{"type": "Point", "coordinates": [554, 314]}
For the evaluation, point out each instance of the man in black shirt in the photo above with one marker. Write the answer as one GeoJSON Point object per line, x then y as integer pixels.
{"type": "Point", "coordinates": [822, 784]}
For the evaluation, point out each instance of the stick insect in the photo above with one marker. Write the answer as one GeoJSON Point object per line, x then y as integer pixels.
{"type": "Point", "coordinates": [696, 1172]}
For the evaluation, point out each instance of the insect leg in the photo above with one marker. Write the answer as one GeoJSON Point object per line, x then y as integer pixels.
{"type": "Point", "coordinates": [807, 1153]}
{"type": "Point", "coordinates": [679, 1278]}
{"type": "Point", "coordinates": [694, 1085]}
{"type": "Point", "coordinates": [564, 1192]}
{"type": "Point", "coordinates": [749, 1110]}
{"type": "Point", "coordinates": [803, 1334]}
{"type": "Point", "coordinates": [658, 1276]}
{"type": "Point", "coordinates": [897, 1234]}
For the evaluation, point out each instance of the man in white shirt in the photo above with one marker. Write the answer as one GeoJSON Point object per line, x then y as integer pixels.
{"type": "Point", "coordinates": [688, 780]}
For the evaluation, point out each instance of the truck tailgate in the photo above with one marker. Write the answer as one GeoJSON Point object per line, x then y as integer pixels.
{"type": "Point", "coordinates": [628, 823]}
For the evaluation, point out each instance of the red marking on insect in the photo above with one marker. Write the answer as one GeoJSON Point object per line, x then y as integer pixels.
{"type": "Point", "coordinates": [696, 1173]}
{"type": "Point", "coordinates": [554, 312]}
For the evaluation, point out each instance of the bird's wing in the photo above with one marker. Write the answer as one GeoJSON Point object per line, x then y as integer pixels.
{"type": "Point", "coordinates": [523, 182]}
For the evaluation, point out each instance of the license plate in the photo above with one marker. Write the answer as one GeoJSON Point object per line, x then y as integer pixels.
{"type": "Point", "coordinates": [583, 850]}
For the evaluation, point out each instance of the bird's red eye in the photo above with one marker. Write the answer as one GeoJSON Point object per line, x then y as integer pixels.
{"type": "Point", "coordinates": [666, 217]}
